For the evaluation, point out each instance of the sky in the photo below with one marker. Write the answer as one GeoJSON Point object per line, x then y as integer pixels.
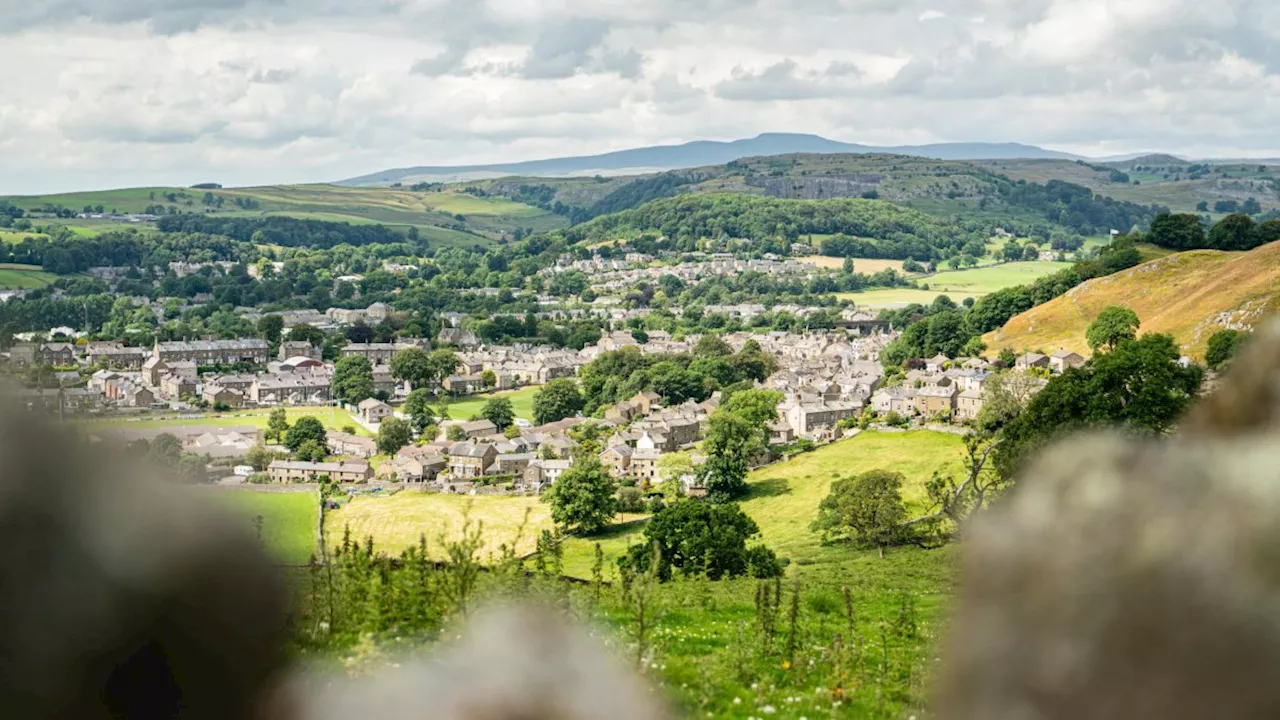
{"type": "Point", "coordinates": [113, 93]}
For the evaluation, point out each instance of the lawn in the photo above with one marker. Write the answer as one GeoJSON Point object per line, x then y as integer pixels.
{"type": "Point", "coordinates": [331, 417]}
{"type": "Point", "coordinates": [468, 406]}
{"type": "Point", "coordinates": [289, 520]}
{"type": "Point", "coordinates": [23, 277]}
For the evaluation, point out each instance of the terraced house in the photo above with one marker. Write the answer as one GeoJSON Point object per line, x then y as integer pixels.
{"type": "Point", "coordinates": [214, 352]}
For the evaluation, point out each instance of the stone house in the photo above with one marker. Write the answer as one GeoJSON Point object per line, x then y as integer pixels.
{"type": "Point", "coordinates": [968, 405]}
{"type": "Point", "coordinates": [341, 443]}
{"type": "Point", "coordinates": [1064, 360]}
{"type": "Point", "coordinates": [932, 400]}
{"type": "Point", "coordinates": [618, 459]}
{"type": "Point", "coordinates": [644, 465]}
{"type": "Point", "coordinates": [646, 401]}
{"type": "Point", "coordinates": [415, 464]}
{"type": "Point", "coordinates": [219, 395]}
{"type": "Point", "coordinates": [298, 348]}
{"type": "Point", "coordinates": [292, 389]}
{"type": "Point", "coordinates": [1031, 360]}
{"type": "Point", "coordinates": [545, 472]}
{"type": "Point", "coordinates": [374, 411]}
{"type": "Point", "coordinates": [900, 400]}
{"type": "Point", "coordinates": [810, 418]}
{"type": "Point", "coordinates": [464, 384]}
{"type": "Point", "coordinates": [117, 356]}
{"type": "Point", "coordinates": [471, 460]}
{"type": "Point", "coordinates": [176, 386]}
{"type": "Point", "coordinates": [478, 429]}
{"type": "Point", "coordinates": [215, 352]}
{"type": "Point", "coordinates": [512, 463]}
{"type": "Point", "coordinates": [350, 471]}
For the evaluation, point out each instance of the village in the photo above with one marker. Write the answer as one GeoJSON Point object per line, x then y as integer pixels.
{"type": "Point", "coordinates": [831, 384]}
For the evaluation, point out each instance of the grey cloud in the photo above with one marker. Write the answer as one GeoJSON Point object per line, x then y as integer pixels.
{"type": "Point", "coordinates": [786, 81]}
{"type": "Point", "coordinates": [562, 50]}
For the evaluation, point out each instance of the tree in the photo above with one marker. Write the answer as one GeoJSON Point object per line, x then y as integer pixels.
{"type": "Point", "coordinates": [277, 424]}
{"type": "Point", "coordinates": [414, 366]}
{"type": "Point", "coordinates": [712, 346]}
{"type": "Point", "coordinates": [1222, 348]}
{"type": "Point", "coordinates": [582, 500]}
{"type": "Point", "coordinates": [270, 328]}
{"type": "Point", "coordinates": [557, 400]}
{"type": "Point", "coordinates": [499, 412]}
{"type": "Point", "coordinates": [259, 457]}
{"type": "Point", "coordinates": [393, 434]}
{"type": "Point", "coordinates": [758, 408]}
{"type": "Point", "coordinates": [1178, 232]}
{"type": "Point", "coordinates": [418, 407]}
{"type": "Point", "coordinates": [1005, 396]}
{"type": "Point", "coordinates": [166, 449]}
{"type": "Point", "coordinates": [455, 433]}
{"type": "Point", "coordinates": [308, 334]}
{"type": "Point", "coordinates": [359, 332]}
{"type": "Point", "coordinates": [312, 451]}
{"type": "Point", "coordinates": [490, 378]}
{"type": "Point", "coordinates": [866, 509]}
{"type": "Point", "coordinates": [306, 428]}
{"type": "Point", "coordinates": [728, 445]}
{"type": "Point", "coordinates": [1114, 325]}
{"type": "Point", "coordinates": [695, 537]}
{"type": "Point", "coordinates": [1139, 386]}
{"type": "Point", "coordinates": [353, 379]}
{"type": "Point", "coordinates": [192, 469]}
{"type": "Point", "coordinates": [443, 363]}
{"type": "Point", "coordinates": [1233, 232]}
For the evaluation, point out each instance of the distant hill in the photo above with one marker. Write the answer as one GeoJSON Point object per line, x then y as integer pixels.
{"type": "Point", "coordinates": [1188, 295]}
{"type": "Point", "coordinates": [695, 154]}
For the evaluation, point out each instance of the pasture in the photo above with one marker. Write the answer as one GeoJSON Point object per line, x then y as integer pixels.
{"type": "Point", "coordinates": [989, 279]}
{"type": "Point", "coordinates": [894, 298]}
{"type": "Point", "coordinates": [289, 519]}
{"type": "Point", "coordinates": [866, 266]}
{"type": "Point", "coordinates": [24, 277]}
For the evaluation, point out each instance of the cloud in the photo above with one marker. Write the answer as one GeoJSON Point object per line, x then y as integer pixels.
{"type": "Point", "coordinates": [125, 92]}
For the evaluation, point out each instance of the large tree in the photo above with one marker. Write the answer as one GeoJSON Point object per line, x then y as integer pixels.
{"type": "Point", "coordinates": [306, 428]}
{"type": "Point", "coordinates": [758, 408]}
{"type": "Point", "coordinates": [1177, 232]}
{"type": "Point", "coordinates": [270, 327]}
{"type": "Point", "coordinates": [442, 363]}
{"type": "Point", "coordinates": [558, 400]}
{"type": "Point", "coordinates": [277, 424]}
{"type": "Point", "coordinates": [413, 365]}
{"type": "Point", "coordinates": [865, 509]}
{"type": "Point", "coordinates": [353, 379]}
{"type": "Point", "coordinates": [499, 412]}
{"type": "Point", "coordinates": [393, 434]}
{"type": "Point", "coordinates": [729, 444]}
{"type": "Point", "coordinates": [694, 537]}
{"type": "Point", "coordinates": [583, 500]}
{"type": "Point", "coordinates": [418, 407]}
{"type": "Point", "coordinates": [1113, 326]}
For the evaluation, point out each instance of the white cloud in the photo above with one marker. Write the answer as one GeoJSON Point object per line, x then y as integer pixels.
{"type": "Point", "coordinates": [124, 92]}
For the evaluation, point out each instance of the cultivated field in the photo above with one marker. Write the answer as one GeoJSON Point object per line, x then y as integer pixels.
{"type": "Point", "coordinates": [1188, 295]}
{"type": "Point", "coordinates": [331, 417]}
{"type": "Point", "coordinates": [894, 298]}
{"type": "Point", "coordinates": [860, 265]}
{"type": "Point", "coordinates": [986, 280]}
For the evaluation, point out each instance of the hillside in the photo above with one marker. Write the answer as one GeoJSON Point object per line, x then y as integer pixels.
{"type": "Point", "coordinates": [445, 216]}
{"type": "Point", "coordinates": [1159, 179]}
{"type": "Point", "coordinates": [1188, 295]}
{"type": "Point", "coordinates": [689, 155]}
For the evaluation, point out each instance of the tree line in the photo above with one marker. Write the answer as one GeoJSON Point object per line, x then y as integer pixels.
{"type": "Point", "coordinates": [1185, 231]}
{"type": "Point", "coordinates": [284, 231]}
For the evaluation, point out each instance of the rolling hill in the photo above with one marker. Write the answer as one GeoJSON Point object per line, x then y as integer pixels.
{"type": "Point", "coordinates": [689, 155]}
{"type": "Point", "coordinates": [445, 217]}
{"type": "Point", "coordinates": [1188, 295]}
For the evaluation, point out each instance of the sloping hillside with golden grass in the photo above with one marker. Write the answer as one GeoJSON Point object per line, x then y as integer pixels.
{"type": "Point", "coordinates": [1187, 295]}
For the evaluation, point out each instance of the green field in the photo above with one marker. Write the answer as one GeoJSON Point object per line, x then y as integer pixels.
{"type": "Point", "coordinates": [289, 520]}
{"type": "Point", "coordinates": [466, 407]}
{"type": "Point", "coordinates": [445, 217]}
{"type": "Point", "coordinates": [990, 279]}
{"type": "Point", "coordinates": [332, 418]}
{"type": "Point", "coordinates": [24, 277]}
{"type": "Point", "coordinates": [784, 497]}
{"type": "Point", "coordinates": [892, 298]}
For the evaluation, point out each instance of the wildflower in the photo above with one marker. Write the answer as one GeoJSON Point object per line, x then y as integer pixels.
{"type": "Point", "coordinates": [786, 664]}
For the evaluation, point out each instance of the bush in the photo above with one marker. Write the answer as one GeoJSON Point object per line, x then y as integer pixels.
{"type": "Point", "coordinates": [630, 500]}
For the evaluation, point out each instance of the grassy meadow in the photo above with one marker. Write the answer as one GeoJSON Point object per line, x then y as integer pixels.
{"type": "Point", "coordinates": [893, 298]}
{"type": "Point", "coordinates": [289, 519]}
{"type": "Point", "coordinates": [468, 406]}
{"type": "Point", "coordinates": [956, 284]}
{"type": "Point", "coordinates": [24, 277]}
{"type": "Point", "coordinates": [861, 265]}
